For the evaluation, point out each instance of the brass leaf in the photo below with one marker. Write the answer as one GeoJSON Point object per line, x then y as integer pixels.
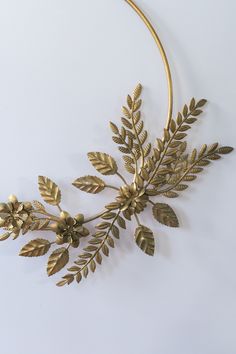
{"type": "Point", "coordinates": [104, 163]}
{"type": "Point", "coordinates": [57, 260]}
{"type": "Point", "coordinates": [5, 236]}
{"type": "Point", "coordinates": [145, 240]}
{"type": "Point", "coordinates": [35, 248]}
{"type": "Point", "coordinates": [49, 191]}
{"type": "Point", "coordinates": [89, 184]}
{"type": "Point", "coordinates": [165, 215]}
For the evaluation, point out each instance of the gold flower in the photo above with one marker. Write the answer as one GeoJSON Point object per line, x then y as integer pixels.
{"type": "Point", "coordinates": [69, 230]}
{"type": "Point", "coordinates": [132, 200]}
{"type": "Point", "coordinates": [15, 215]}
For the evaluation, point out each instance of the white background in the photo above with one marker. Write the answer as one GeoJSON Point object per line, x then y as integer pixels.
{"type": "Point", "coordinates": [65, 69]}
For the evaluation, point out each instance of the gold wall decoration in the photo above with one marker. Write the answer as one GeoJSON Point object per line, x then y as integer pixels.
{"type": "Point", "coordinates": [164, 168]}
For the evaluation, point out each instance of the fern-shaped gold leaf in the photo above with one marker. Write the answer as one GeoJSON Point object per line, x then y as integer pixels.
{"type": "Point", "coordinates": [49, 191]}
{"type": "Point", "coordinates": [104, 163]}
{"type": "Point", "coordinates": [165, 215]}
{"type": "Point", "coordinates": [35, 248]}
{"type": "Point", "coordinates": [57, 260]}
{"type": "Point", "coordinates": [145, 240]}
{"type": "Point", "coordinates": [89, 184]}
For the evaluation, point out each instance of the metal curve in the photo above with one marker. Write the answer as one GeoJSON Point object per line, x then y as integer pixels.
{"type": "Point", "coordinates": [163, 56]}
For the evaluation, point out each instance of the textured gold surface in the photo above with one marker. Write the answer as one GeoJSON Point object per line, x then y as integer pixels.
{"type": "Point", "coordinates": [163, 169]}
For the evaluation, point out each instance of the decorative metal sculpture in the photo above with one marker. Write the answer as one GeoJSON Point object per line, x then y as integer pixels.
{"type": "Point", "coordinates": [160, 170]}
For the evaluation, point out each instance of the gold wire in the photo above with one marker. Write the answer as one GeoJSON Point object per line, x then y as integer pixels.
{"type": "Point", "coordinates": [163, 55]}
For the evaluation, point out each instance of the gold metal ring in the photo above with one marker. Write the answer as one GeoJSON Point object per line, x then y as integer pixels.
{"type": "Point", "coordinates": [163, 56]}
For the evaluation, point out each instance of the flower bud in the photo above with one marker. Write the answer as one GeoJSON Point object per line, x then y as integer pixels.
{"type": "Point", "coordinates": [79, 218]}
{"type": "Point", "coordinates": [12, 199]}
{"type": "Point", "coordinates": [64, 215]}
{"type": "Point", "coordinates": [54, 227]}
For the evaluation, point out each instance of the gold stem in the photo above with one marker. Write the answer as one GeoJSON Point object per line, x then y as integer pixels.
{"type": "Point", "coordinates": [121, 177]}
{"type": "Point", "coordinates": [112, 187]}
{"type": "Point", "coordinates": [163, 55]}
{"type": "Point", "coordinates": [92, 218]}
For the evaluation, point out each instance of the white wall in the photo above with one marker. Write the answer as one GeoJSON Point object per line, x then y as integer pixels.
{"type": "Point", "coordinates": [65, 69]}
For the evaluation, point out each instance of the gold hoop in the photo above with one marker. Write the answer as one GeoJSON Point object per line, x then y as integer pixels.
{"type": "Point", "coordinates": [163, 56]}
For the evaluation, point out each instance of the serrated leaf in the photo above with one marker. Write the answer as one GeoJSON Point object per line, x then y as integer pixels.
{"type": "Point", "coordinates": [171, 194]}
{"type": "Point", "coordinates": [35, 248]}
{"type": "Point", "coordinates": [104, 163]}
{"type": "Point", "coordinates": [90, 184]}
{"type": "Point", "coordinates": [137, 91]}
{"type": "Point", "coordinates": [201, 103]}
{"type": "Point", "coordinates": [5, 236]}
{"type": "Point", "coordinates": [145, 240]}
{"type": "Point", "coordinates": [38, 205]}
{"type": "Point", "coordinates": [225, 150]}
{"type": "Point", "coordinates": [57, 260]}
{"type": "Point", "coordinates": [49, 191]}
{"type": "Point", "coordinates": [165, 215]}
{"type": "Point", "coordinates": [114, 128]}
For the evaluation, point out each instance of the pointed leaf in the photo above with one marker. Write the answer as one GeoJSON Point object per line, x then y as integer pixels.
{"type": "Point", "coordinates": [145, 240]}
{"type": "Point", "coordinates": [35, 248]}
{"type": "Point", "coordinates": [57, 260]}
{"type": "Point", "coordinates": [104, 163]}
{"type": "Point", "coordinates": [89, 184]}
{"type": "Point", "coordinates": [165, 215]}
{"type": "Point", "coordinates": [49, 191]}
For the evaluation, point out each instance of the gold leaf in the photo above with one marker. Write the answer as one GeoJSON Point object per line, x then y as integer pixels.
{"type": "Point", "coordinates": [89, 184]}
{"type": "Point", "coordinates": [114, 128]}
{"type": "Point", "coordinates": [115, 231]}
{"type": "Point", "coordinates": [5, 236]}
{"type": "Point", "coordinates": [189, 178]}
{"type": "Point", "coordinates": [105, 250]}
{"type": "Point", "coordinates": [129, 102]}
{"type": "Point", "coordinates": [57, 260]}
{"type": "Point", "coordinates": [38, 205]}
{"type": "Point", "coordinates": [225, 150]}
{"type": "Point", "coordinates": [104, 163]}
{"type": "Point", "coordinates": [145, 240]}
{"type": "Point", "coordinates": [196, 113]}
{"type": "Point", "coordinates": [98, 258]}
{"type": "Point", "coordinates": [201, 103]}
{"type": "Point", "coordinates": [117, 140]}
{"type": "Point", "coordinates": [129, 168]}
{"type": "Point", "coordinates": [192, 104]}
{"type": "Point", "coordinates": [126, 123]}
{"type": "Point", "coordinates": [179, 118]}
{"type": "Point", "coordinates": [85, 272]}
{"type": "Point", "coordinates": [190, 120]}
{"type": "Point", "coordinates": [113, 206]}
{"type": "Point", "coordinates": [180, 136]}
{"type": "Point", "coordinates": [110, 242]}
{"type": "Point", "coordinates": [92, 266]}
{"type": "Point", "coordinates": [121, 222]}
{"type": "Point", "coordinates": [49, 191]}
{"type": "Point", "coordinates": [103, 225]}
{"type": "Point", "coordinates": [35, 248]}
{"type": "Point", "coordinates": [202, 151]}
{"type": "Point", "coordinates": [165, 215]}
{"type": "Point", "coordinates": [137, 91]}
{"type": "Point", "coordinates": [62, 283]}
{"type": "Point", "coordinates": [171, 194]}
{"type": "Point", "coordinates": [126, 112]}
{"type": "Point", "coordinates": [78, 277]}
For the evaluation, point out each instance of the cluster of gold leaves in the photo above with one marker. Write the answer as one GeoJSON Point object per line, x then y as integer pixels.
{"type": "Point", "coordinates": [164, 169]}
